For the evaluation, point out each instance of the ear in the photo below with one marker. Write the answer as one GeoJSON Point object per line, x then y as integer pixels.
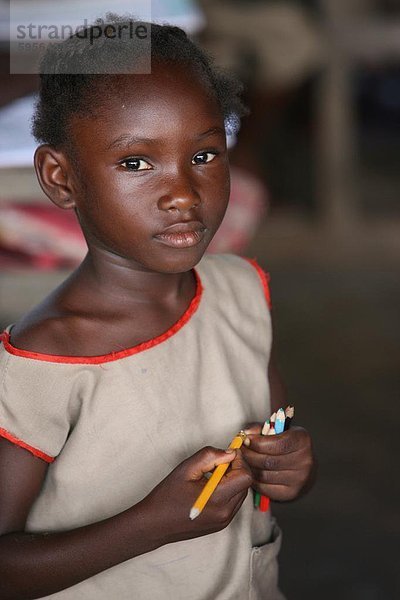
{"type": "Point", "coordinates": [53, 170]}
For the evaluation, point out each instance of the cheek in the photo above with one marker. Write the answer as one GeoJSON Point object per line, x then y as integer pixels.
{"type": "Point", "coordinates": [111, 218]}
{"type": "Point", "coordinates": [225, 179]}
{"type": "Point", "coordinates": [219, 191]}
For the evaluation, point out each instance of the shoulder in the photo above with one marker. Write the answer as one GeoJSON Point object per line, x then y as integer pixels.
{"type": "Point", "coordinates": [53, 327]}
{"type": "Point", "coordinates": [56, 326]}
{"type": "Point", "coordinates": [59, 323]}
{"type": "Point", "coordinates": [229, 273]}
{"type": "Point", "coordinates": [38, 402]}
{"type": "Point", "coordinates": [229, 263]}
{"type": "Point", "coordinates": [42, 333]}
{"type": "Point", "coordinates": [38, 399]}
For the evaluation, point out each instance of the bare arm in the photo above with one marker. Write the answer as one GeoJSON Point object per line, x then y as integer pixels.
{"type": "Point", "coordinates": [36, 565]}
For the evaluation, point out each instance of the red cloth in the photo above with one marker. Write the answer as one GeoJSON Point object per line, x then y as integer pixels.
{"type": "Point", "coordinates": [41, 236]}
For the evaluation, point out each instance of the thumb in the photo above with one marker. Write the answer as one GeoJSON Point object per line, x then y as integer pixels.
{"type": "Point", "coordinates": [253, 428]}
{"type": "Point", "coordinates": [206, 460]}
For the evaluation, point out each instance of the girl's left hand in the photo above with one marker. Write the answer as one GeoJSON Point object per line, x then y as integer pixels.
{"type": "Point", "coordinates": [283, 466]}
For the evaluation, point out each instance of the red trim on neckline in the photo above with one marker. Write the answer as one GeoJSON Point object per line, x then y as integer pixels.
{"type": "Point", "coordinates": [265, 278]}
{"type": "Point", "coordinates": [5, 434]}
{"type": "Point", "coordinates": [95, 360]}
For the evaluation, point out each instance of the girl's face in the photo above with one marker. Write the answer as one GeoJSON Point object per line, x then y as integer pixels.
{"type": "Point", "coordinates": [153, 183]}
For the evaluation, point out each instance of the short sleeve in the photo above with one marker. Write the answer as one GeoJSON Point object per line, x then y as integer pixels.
{"type": "Point", "coordinates": [35, 405]}
{"type": "Point", "coordinates": [264, 279]}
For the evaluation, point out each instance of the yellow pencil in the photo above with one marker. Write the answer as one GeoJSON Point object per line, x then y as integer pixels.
{"type": "Point", "coordinates": [215, 478]}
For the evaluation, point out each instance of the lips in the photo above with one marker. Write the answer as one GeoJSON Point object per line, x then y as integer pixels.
{"type": "Point", "coordinates": [182, 235]}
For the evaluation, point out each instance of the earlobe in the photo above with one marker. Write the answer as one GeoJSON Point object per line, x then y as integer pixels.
{"type": "Point", "coordinates": [52, 169]}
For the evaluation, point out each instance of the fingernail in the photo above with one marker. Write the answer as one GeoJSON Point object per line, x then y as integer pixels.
{"type": "Point", "coordinates": [229, 450]}
{"type": "Point", "coordinates": [246, 442]}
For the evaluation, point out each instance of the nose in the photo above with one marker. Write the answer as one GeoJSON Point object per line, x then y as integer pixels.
{"type": "Point", "coordinates": [182, 198]}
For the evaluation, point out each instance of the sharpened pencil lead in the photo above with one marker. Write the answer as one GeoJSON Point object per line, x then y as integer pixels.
{"type": "Point", "coordinates": [265, 428]}
{"type": "Point", "coordinates": [194, 512]}
{"type": "Point", "coordinates": [271, 430]}
{"type": "Point", "coordinates": [289, 412]}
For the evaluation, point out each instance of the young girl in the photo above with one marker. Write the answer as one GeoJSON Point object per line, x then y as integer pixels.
{"type": "Point", "coordinates": [116, 388]}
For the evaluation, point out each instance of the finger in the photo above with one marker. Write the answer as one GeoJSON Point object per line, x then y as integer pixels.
{"type": "Point", "coordinates": [237, 480]}
{"type": "Point", "coordinates": [229, 508]}
{"type": "Point", "coordinates": [205, 461]}
{"type": "Point", "coordinates": [234, 483]}
{"type": "Point", "coordinates": [239, 463]}
{"type": "Point", "coordinates": [232, 504]}
{"type": "Point", "coordinates": [278, 493]}
{"type": "Point", "coordinates": [286, 478]}
{"type": "Point", "coordinates": [288, 442]}
{"type": "Point", "coordinates": [237, 501]}
{"type": "Point", "coordinates": [270, 462]}
{"type": "Point", "coordinates": [253, 428]}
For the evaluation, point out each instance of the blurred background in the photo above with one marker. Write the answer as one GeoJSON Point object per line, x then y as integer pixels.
{"type": "Point", "coordinates": [315, 198]}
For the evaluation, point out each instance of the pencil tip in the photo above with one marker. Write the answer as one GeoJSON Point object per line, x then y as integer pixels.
{"type": "Point", "coordinates": [265, 428]}
{"type": "Point", "coordinates": [194, 512]}
{"type": "Point", "coordinates": [289, 411]}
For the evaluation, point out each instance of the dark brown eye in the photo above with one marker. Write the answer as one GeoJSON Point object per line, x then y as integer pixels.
{"type": "Point", "coordinates": [136, 164]}
{"type": "Point", "coordinates": [203, 158]}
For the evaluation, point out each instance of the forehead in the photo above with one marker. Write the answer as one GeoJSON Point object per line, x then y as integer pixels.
{"type": "Point", "coordinates": [170, 100]}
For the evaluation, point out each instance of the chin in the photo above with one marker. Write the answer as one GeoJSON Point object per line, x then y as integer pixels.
{"type": "Point", "coordinates": [178, 260]}
{"type": "Point", "coordinates": [182, 260]}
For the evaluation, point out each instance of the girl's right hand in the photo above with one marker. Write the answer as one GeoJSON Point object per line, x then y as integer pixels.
{"type": "Point", "coordinates": [36, 565]}
{"type": "Point", "coordinates": [170, 501]}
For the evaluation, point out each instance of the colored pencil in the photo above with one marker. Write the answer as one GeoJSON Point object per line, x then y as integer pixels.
{"type": "Point", "coordinates": [267, 428]}
{"type": "Point", "coordinates": [289, 412]}
{"type": "Point", "coordinates": [214, 480]}
{"type": "Point", "coordinates": [282, 423]}
{"type": "Point", "coordinates": [264, 504]}
{"type": "Point", "coordinates": [264, 500]}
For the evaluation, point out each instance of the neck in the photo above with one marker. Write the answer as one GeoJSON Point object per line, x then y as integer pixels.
{"type": "Point", "coordinates": [126, 283]}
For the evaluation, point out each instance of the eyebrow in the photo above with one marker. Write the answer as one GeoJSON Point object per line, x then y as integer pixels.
{"type": "Point", "coordinates": [211, 131]}
{"type": "Point", "coordinates": [126, 140]}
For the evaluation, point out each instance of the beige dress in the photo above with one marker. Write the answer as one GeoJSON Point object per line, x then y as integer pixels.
{"type": "Point", "coordinates": [112, 427]}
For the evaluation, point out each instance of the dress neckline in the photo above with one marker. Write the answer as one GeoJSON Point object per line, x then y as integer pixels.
{"type": "Point", "coordinates": [111, 356]}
